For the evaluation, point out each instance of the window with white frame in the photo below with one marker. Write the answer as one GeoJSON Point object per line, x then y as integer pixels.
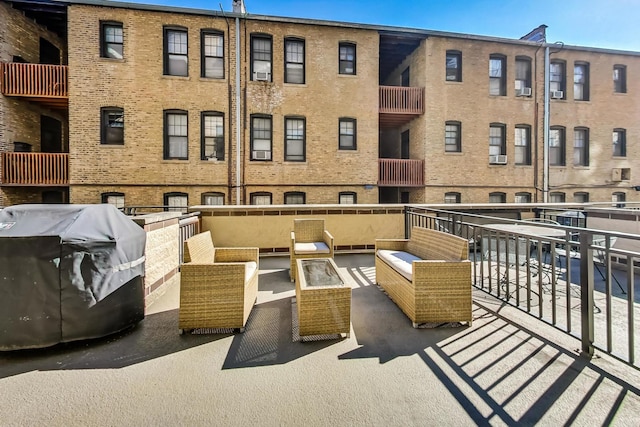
{"type": "Point", "coordinates": [347, 62]}
{"type": "Point", "coordinates": [176, 135]}
{"type": "Point", "coordinates": [294, 198]}
{"type": "Point", "coordinates": [581, 81]}
{"type": "Point", "coordinates": [294, 144]}
{"type": "Point", "coordinates": [113, 198]}
{"type": "Point", "coordinates": [497, 75]}
{"type": "Point", "coordinates": [261, 57]}
{"type": "Point", "coordinates": [620, 78]}
{"type": "Point", "coordinates": [522, 145]}
{"type": "Point", "coordinates": [177, 202]}
{"type": "Point", "coordinates": [452, 197]}
{"type": "Point", "coordinates": [619, 142]}
{"type": "Point", "coordinates": [261, 147]}
{"type": "Point", "coordinates": [347, 198]}
{"type": "Point", "coordinates": [581, 147]}
{"type": "Point", "coordinates": [213, 199]}
{"type": "Point", "coordinates": [452, 137]}
{"type": "Point", "coordinates": [294, 61]}
{"type": "Point", "coordinates": [212, 144]}
{"type": "Point", "coordinates": [557, 146]}
{"type": "Point", "coordinates": [557, 197]}
{"type": "Point", "coordinates": [497, 197]}
{"type": "Point", "coordinates": [497, 143]}
{"type": "Point", "coordinates": [523, 76]}
{"type": "Point", "coordinates": [212, 63]}
{"type": "Point", "coordinates": [260, 198]}
{"type": "Point", "coordinates": [112, 40]}
{"type": "Point", "coordinates": [176, 60]}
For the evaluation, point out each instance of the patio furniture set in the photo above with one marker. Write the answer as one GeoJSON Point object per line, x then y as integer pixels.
{"type": "Point", "coordinates": [428, 276]}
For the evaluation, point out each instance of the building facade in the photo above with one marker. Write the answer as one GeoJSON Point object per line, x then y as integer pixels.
{"type": "Point", "coordinates": [156, 106]}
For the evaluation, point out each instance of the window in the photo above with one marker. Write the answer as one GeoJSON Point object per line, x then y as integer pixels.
{"type": "Point", "coordinates": [452, 137]}
{"type": "Point", "coordinates": [347, 63]}
{"type": "Point", "coordinates": [523, 145]}
{"type": "Point", "coordinates": [176, 61]}
{"type": "Point", "coordinates": [523, 76]}
{"type": "Point", "coordinates": [580, 147]}
{"type": "Point", "coordinates": [112, 126]}
{"type": "Point", "coordinates": [260, 198]}
{"type": "Point", "coordinates": [111, 44]}
{"type": "Point", "coordinates": [556, 197]}
{"type": "Point", "coordinates": [523, 197]}
{"type": "Point", "coordinates": [620, 78]}
{"type": "Point", "coordinates": [405, 77]}
{"type": "Point", "coordinates": [261, 57]}
{"type": "Point", "coordinates": [114, 198]}
{"type": "Point", "coordinates": [557, 146]}
{"type": "Point", "coordinates": [212, 61]}
{"type": "Point", "coordinates": [581, 197]}
{"type": "Point", "coordinates": [452, 197]}
{"type": "Point", "coordinates": [618, 199]}
{"type": "Point", "coordinates": [294, 61]}
{"type": "Point", "coordinates": [347, 140]}
{"type": "Point", "coordinates": [176, 202]}
{"type": "Point", "coordinates": [497, 143]}
{"type": "Point", "coordinates": [347, 198]}
{"type": "Point", "coordinates": [212, 142]}
{"type": "Point", "coordinates": [619, 142]}
{"type": "Point", "coordinates": [260, 137]}
{"type": "Point", "coordinates": [215, 199]}
{"type": "Point", "coordinates": [294, 198]}
{"type": "Point", "coordinates": [497, 75]}
{"type": "Point", "coordinates": [454, 66]}
{"type": "Point", "coordinates": [294, 142]}
{"type": "Point", "coordinates": [581, 82]}
{"type": "Point", "coordinates": [497, 197]}
{"type": "Point", "coordinates": [176, 140]}
{"type": "Point", "coordinates": [557, 80]}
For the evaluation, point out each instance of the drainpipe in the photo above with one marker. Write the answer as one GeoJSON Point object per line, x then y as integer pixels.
{"type": "Point", "coordinates": [238, 144]}
{"type": "Point", "coordinates": [545, 152]}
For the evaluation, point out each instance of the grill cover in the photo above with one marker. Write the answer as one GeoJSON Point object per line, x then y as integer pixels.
{"type": "Point", "coordinates": [68, 272]}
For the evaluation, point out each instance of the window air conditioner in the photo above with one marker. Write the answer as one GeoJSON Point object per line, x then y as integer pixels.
{"type": "Point", "coordinates": [498, 160]}
{"type": "Point", "coordinates": [557, 94]}
{"type": "Point", "coordinates": [616, 174]}
{"type": "Point", "coordinates": [261, 76]}
{"type": "Point", "coordinates": [524, 91]}
{"type": "Point", "coordinates": [261, 155]}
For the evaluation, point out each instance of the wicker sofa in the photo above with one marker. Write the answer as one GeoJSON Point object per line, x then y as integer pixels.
{"type": "Point", "coordinates": [218, 286]}
{"type": "Point", "coordinates": [428, 276]}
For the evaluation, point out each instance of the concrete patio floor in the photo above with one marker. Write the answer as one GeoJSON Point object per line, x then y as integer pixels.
{"type": "Point", "coordinates": [508, 368]}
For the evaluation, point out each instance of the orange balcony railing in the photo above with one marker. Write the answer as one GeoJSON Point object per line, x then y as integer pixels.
{"type": "Point", "coordinates": [34, 80]}
{"type": "Point", "coordinates": [34, 169]}
{"type": "Point", "coordinates": [400, 173]}
{"type": "Point", "coordinates": [401, 100]}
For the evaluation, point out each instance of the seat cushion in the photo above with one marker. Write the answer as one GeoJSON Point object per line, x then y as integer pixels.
{"type": "Point", "coordinates": [311, 248]}
{"type": "Point", "coordinates": [400, 261]}
{"type": "Point", "coordinates": [250, 267]}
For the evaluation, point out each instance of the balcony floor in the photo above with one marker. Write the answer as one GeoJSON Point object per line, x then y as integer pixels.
{"type": "Point", "coordinates": [508, 368]}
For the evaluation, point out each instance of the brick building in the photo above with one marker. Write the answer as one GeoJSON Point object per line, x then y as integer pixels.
{"type": "Point", "coordinates": [151, 106]}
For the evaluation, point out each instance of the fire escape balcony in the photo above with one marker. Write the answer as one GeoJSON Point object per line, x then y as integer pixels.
{"type": "Point", "coordinates": [400, 173]}
{"type": "Point", "coordinates": [41, 83]}
{"type": "Point", "coordinates": [399, 105]}
{"type": "Point", "coordinates": [34, 169]}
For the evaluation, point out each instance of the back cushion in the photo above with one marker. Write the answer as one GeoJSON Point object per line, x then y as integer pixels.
{"type": "Point", "coordinates": [309, 230]}
{"type": "Point", "coordinates": [432, 244]}
{"type": "Point", "coordinates": [199, 249]}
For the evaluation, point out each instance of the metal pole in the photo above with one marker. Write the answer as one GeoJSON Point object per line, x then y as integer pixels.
{"type": "Point", "coordinates": [586, 292]}
{"type": "Point", "coordinates": [238, 123]}
{"type": "Point", "coordinates": [545, 149]}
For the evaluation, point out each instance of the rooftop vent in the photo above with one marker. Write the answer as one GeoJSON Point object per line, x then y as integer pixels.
{"type": "Point", "coordinates": [238, 6]}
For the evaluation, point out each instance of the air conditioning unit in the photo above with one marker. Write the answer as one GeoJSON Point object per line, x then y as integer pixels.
{"type": "Point", "coordinates": [500, 159]}
{"type": "Point", "coordinates": [261, 155]}
{"type": "Point", "coordinates": [524, 91]}
{"type": "Point", "coordinates": [557, 94]}
{"type": "Point", "coordinates": [616, 174]}
{"type": "Point", "coordinates": [262, 76]}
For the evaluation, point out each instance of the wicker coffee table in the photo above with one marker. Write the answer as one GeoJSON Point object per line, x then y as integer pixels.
{"type": "Point", "coordinates": [323, 298]}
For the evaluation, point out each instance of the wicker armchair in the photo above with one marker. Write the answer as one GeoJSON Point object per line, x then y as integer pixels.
{"type": "Point", "coordinates": [218, 286]}
{"type": "Point", "coordinates": [309, 239]}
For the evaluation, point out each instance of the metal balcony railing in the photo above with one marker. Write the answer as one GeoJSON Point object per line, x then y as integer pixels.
{"type": "Point", "coordinates": [34, 169]}
{"type": "Point", "coordinates": [34, 80]}
{"type": "Point", "coordinates": [400, 173]}
{"type": "Point", "coordinates": [401, 100]}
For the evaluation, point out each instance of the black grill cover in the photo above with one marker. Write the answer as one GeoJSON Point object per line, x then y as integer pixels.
{"type": "Point", "coordinates": [68, 272]}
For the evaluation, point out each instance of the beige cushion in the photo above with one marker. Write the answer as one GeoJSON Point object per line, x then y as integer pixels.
{"type": "Point", "coordinates": [250, 268]}
{"type": "Point", "coordinates": [311, 248]}
{"type": "Point", "coordinates": [400, 261]}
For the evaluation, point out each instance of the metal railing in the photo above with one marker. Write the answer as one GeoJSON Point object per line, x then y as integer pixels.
{"type": "Point", "coordinates": [34, 80]}
{"type": "Point", "coordinates": [34, 168]}
{"type": "Point", "coordinates": [562, 275]}
{"type": "Point", "coordinates": [402, 100]}
{"type": "Point", "coordinates": [400, 173]}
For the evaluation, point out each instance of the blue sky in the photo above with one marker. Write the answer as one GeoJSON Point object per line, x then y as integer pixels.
{"type": "Point", "coordinates": [611, 24]}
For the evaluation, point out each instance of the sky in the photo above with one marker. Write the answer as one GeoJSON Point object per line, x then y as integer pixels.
{"type": "Point", "coordinates": [610, 24]}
